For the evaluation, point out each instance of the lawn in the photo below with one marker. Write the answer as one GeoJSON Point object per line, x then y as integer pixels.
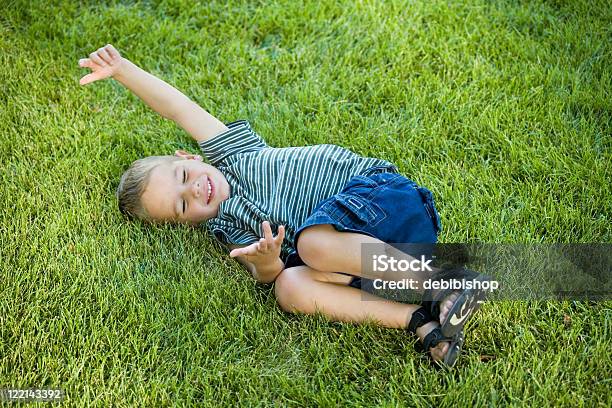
{"type": "Point", "coordinates": [501, 108]}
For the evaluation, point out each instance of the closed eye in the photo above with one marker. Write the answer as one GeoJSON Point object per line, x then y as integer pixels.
{"type": "Point", "coordinates": [184, 180]}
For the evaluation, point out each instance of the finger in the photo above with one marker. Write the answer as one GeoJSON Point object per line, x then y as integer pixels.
{"type": "Point", "coordinates": [89, 78]}
{"type": "Point", "coordinates": [96, 58]}
{"type": "Point", "coordinates": [112, 51]}
{"type": "Point", "coordinates": [248, 250]}
{"type": "Point", "coordinates": [86, 63]}
{"type": "Point", "coordinates": [281, 235]}
{"type": "Point", "coordinates": [267, 231]}
{"type": "Point", "coordinates": [263, 245]}
{"type": "Point", "coordinates": [252, 249]}
{"type": "Point", "coordinates": [235, 252]}
{"type": "Point", "coordinates": [255, 249]}
{"type": "Point", "coordinates": [102, 53]}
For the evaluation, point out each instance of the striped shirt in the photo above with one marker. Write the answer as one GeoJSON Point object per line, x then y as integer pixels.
{"type": "Point", "coordinates": [279, 185]}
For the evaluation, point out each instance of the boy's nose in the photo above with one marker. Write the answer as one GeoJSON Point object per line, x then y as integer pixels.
{"type": "Point", "coordinates": [196, 188]}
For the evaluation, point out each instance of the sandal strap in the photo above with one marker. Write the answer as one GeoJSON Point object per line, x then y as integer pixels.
{"type": "Point", "coordinates": [420, 317]}
{"type": "Point", "coordinates": [433, 338]}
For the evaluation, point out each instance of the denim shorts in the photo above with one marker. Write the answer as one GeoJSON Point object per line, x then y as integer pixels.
{"type": "Point", "coordinates": [386, 206]}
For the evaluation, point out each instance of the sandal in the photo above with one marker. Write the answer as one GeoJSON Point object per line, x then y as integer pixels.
{"type": "Point", "coordinates": [420, 317]}
{"type": "Point", "coordinates": [468, 301]}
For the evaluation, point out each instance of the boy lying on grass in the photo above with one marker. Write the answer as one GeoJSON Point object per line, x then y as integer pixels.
{"type": "Point", "coordinates": [295, 216]}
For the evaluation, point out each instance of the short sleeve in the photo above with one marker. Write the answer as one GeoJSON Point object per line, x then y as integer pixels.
{"type": "Point", "coordinates": [239, 138]}
{"type": "Point", "coordinates": [230, 234]}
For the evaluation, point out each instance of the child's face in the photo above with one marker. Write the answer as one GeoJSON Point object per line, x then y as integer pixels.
{"type": "Point", "coordinates": [184, 191]}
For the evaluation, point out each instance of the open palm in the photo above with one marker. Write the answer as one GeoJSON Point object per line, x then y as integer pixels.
{"type": "Point", "coordinates": [103, 63]}
{"type": "Point", "coordinates": [266, 250]}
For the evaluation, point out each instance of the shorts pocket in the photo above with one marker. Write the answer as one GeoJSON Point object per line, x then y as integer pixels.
{"type": "Point", "coordinates": [359, 210]}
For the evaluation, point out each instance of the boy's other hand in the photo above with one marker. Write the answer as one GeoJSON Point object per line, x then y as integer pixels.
{"type": "Point", "coordinates": [266, 250]}
{"type": "Point", "coordinates": [104, 63]}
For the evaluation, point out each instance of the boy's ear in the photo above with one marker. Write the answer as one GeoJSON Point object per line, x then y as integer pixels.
{"type": "Point", "coordinates": [186, 155]}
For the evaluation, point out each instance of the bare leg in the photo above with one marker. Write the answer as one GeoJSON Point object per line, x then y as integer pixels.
{"type": "Point", "coordinates": [305, 290]}
{"type": "Point", "coordinates": [325, 249]}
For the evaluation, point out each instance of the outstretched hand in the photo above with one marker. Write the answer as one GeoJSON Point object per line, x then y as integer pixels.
{"type": "Point", "coordinates": [104, 63]}
{"type": "Point", "coordinates": [266, 250]}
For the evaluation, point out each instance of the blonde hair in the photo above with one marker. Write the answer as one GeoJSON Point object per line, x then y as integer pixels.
{"type": "Point", "coordinates": [134, 182]}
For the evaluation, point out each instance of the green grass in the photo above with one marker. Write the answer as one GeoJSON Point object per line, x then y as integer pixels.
{"type": "Point", "coordinates": [501, 108]}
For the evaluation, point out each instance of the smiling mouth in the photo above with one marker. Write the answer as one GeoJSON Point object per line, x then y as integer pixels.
{"type": "Point", "coordinates": [210, 191]}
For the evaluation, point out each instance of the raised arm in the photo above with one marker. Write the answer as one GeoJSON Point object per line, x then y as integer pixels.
{"type": "Point", "coordinates": [161, 97]}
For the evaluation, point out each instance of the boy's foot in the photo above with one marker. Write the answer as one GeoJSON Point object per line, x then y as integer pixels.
{"type": "Point", "coordinates": [442, 351]}
{"type": "Point", "coordinates": [455, 307]}
{"type": "Point", "coordinates": [446, 305]}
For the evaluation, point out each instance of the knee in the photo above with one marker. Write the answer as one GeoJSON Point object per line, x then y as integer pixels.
{"type": "Point", "coordinates": [289, 288]}
{"type": "Point", "coordinates": [311, 246]}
